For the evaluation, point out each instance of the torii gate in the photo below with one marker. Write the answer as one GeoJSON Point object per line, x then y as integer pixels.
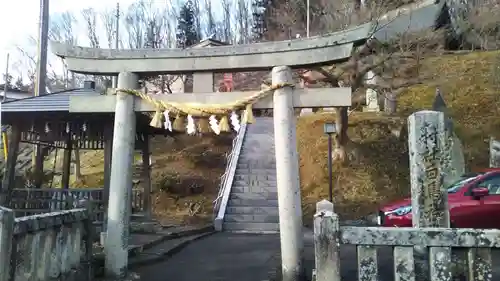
{"type": "Point", "coordinates": [129, 65]}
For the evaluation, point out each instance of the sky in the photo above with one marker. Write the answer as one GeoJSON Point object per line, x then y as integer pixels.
{"type": "Point", "coordinates": [20, 19]}
{"type": "Point", "coordinates": [19, 28]}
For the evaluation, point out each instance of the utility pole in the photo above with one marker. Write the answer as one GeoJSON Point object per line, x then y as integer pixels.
{"type": "Point", "coordinates": [117, 39]}
{"type": "Point", "coordinates": [5, 90]}
{"type": "Point", "coordinates": [308, 17]}
{"type": "Point", "coordinates": [41, 75]}
{"type": "Point", "coordinates": [6, 85]}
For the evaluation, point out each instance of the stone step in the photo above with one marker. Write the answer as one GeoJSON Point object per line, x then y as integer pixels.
{"type": "Point", "coordinates": [254, 196]}
{"type": "Point", "coordinates": [264, 183]}
{"type": "Point", "coordinates": [251, 218]}
{"type": "Point", "coordinates": [241, 187]}
{"type": "Point", "coordinates": [255, 159]}
{"type": "Point", "coordinates": [251, 227]}
{"type": "Point", "coordinates": [252, 210]}
{"type": "Point", "coordinates": [256, 164]}
{"type": "Point", "coordinates": [255, 177]}
{"type": "Point", "coordinates": [255, 171]}
{"type": "Point", "coordinates": [252, 202]}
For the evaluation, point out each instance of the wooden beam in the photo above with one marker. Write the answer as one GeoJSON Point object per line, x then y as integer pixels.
{"type": "Point", "coordinates": [317, 97]}
{"type": "Point", "coordinates": [9, 176]}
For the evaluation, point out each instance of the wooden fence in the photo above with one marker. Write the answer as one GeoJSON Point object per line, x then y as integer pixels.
{"type": "Point", "coordinates": [328, 236]}
{"type": "Point", "coordinates": [33, 201]}
{"type": "Point", "coordinates": [53, 246]}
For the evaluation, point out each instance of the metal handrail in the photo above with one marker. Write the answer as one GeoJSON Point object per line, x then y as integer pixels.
{"type": "Point", "coordinates": [223, 178]}
{"type": "Point", "coordinates": [224, 175]}
{"type": "Point", "coordinates": [227, 178]}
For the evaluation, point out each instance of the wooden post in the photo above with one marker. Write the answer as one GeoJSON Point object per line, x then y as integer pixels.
{"type": "Point", "coordinates": [9, 176]}
{"type": "Point", "coordinates": [427, 148]}
{"type": "Point", "coordinates": [76, 152]}
{"type": "Point", "coordinates": [117, 233]}
{"type": "Point", "coordinates": [146, 176]}
{"type": "Point", "coordinates": [38, 170]}
{"type": "Point", "coordinates": [6, 233]}
{"type": "Point", "coordinates": [67, 162]}
{"type": "Point", "coordinates": [326, 242]}
{"type": "Point", "coordinates": [287, 176]}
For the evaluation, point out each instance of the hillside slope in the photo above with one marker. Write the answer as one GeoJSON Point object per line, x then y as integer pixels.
{"type": "Point", "coordinates": [186, 170]}
{"type": "Point", "coordinates": [379, 172]}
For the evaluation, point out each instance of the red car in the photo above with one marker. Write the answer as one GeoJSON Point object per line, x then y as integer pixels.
{"type": "Point", "coordinates": [474, 202]}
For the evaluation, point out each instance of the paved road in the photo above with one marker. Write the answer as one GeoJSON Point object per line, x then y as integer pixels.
{"type": "Point", "coordinates": [219, 257]}
{"type": "Point", "coordinates": [245, 257]}
{"type": "Point", "coordinates": [251, 257]}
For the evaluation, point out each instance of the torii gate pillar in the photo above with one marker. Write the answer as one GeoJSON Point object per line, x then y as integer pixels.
{"type": "Point", "coordinates": [117, 234]}
{"type": "Point", "coordinates": [287, 177]}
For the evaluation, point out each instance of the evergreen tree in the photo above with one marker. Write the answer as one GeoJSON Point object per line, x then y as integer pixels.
{"type": "Point", "coordinates": [187, 34]}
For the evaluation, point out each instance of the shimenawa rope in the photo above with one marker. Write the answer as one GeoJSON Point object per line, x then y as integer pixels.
{"type": "Point", "coordinates": [202, 111]}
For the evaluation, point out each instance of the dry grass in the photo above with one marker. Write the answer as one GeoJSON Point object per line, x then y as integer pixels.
{"type": "Point", "coordinates": [379, 171]}
{"type": "Point", "coordinates": [470, 83]}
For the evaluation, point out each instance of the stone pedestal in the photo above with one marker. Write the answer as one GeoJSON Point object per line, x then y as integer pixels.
{"type": "Point", "coordinates": [372, 104]}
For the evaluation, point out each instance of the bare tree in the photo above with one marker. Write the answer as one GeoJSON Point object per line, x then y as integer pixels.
{"type": "Point", "coordinates": [90, 17]}
{"type": "Point", "coordinates": [396, 65]}
{"type": "Point", "coordinates": [62, 30]}
{"type": "Point", "coordinates": [27, 61]}
{"type": "Point", "coordinates": [210, 25]}
{"type": "Point", "coordinates": [242, 20]}
{"type": "Point", "coordinates": [148, 26]}
{"type": "Point", "coordinates": [226, 20]}
{"type": "Point", "coordinates": [108, 19]}
{"type": "Point", "coordinates": [479, 25]}
{"type": "Point", "coordinates": [135, 25]}
{"type": "Point", "coordinates": [26, 66]}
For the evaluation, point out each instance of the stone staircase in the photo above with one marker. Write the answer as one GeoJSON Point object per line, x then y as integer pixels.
{"type": "Point", "coordinates": [253, 201]}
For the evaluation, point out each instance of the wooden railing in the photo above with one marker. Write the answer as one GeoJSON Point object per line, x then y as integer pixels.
{"type": "Point", "coordinates": [33, 201]}
{"type": "Point", "coordinates": [52, 246]}
{"type": "Point", "coordinates": [328, 236]}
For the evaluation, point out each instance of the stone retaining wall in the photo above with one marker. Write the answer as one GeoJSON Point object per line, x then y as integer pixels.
{"type": "Point", "coordinates": [51, 246]}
